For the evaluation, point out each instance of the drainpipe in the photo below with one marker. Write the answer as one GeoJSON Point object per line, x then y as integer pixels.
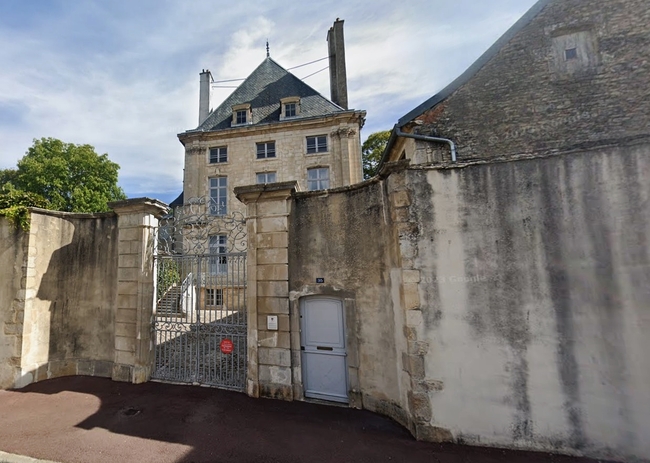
{"type": "Point", "coordinates": [451, 144]}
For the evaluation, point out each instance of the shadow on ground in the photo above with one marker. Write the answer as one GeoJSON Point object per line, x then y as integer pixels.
{"type": "Point", "coordinates": [80, 419]}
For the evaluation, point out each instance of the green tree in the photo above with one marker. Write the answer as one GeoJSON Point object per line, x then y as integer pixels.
{"type": "Point", "coordinates": [371, 152]}
{"type": "Point", "coordinates": [72, 178]}
{"type": "Point", "coordinates": [7, 176]}
{"type": "Point", "coordinates": [14, 204]}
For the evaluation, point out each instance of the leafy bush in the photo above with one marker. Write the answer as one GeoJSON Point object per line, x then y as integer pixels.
{"type": "Point", "coordinates": [168, 275]}
{"type": "Point", "coordinates": [15, 204]}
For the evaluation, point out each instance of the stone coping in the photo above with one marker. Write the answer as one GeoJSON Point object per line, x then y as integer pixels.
{"type": "Point", "coordinates": [250, 193]}
{"type": "Point", "coordinates": [71, 215]}
{"type": "Point", "coordinates": [13, 458]}
{"type": "Point", "coordinates": [144, 204]}
{"type": "Point", "coordinates": [581, 149]}
{"type": "Point", "coordinates": [352, 114]}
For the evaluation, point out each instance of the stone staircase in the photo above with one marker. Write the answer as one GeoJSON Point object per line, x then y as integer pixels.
{"type": "Point", "coordinates": [170, 304]}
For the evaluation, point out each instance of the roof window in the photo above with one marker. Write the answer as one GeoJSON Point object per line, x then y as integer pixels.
{"type": "Point", "coordinates": [290, 107]}
{"type": "Point", "coordinates": [242, 114]}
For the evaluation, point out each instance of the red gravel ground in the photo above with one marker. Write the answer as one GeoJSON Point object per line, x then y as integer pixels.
{"type": "Point", "coordinates": [83, 419]}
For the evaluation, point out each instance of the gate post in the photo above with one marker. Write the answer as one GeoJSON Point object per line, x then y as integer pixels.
{"type": "Point", "coordinates": [137, 220]}
{"type": "Point", "coordinates": [269, 351]}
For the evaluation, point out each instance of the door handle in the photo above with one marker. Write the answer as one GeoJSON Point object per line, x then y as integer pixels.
{"type": "Point", "coordinates": [324, 348]}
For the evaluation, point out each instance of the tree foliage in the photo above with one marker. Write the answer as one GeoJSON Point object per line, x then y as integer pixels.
{"type": "Point", "coordinates": [169, 274]}
{"type": "Point", "coordinates": [58, 176]}
{"type": "Point", "coordinates": [14, 205]}
{"type": "Point", "coordinates": [72, 178]}
{"type": "Point", "coordinates": [7, 176]}
{"type": "Point", "coordinates": [371, 152]}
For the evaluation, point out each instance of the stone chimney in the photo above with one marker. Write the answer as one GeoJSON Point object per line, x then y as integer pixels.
{"type": "Point", "coordinates": [338, 78]}
{"type": "Point", "coordinates": [204, 95]}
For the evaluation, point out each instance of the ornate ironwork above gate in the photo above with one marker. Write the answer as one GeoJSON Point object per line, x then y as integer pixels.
{"type": "Point", "coordinates": [188, 229]}
{"type": "Point", "coordinates": [200, 327]}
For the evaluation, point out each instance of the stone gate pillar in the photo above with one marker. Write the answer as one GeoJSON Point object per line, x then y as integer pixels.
{"type": "Point", "coordinates": [137, 220]}
{"type": "Point", "coordinates": [267, 292]}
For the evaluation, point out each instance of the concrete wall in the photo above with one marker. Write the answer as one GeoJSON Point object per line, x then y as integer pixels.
{"type": "Point", "coordinates": [535, 290]}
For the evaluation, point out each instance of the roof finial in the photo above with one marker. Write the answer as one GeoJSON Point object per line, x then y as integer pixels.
{"type": "Point", "coordinates": [268, 54]}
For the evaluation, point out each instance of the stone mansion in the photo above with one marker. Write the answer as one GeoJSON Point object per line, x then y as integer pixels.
{"type": "Point", "coordinates": [273, 128]}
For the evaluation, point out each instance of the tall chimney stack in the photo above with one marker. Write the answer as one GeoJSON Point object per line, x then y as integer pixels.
{"type": "Point", "coordinates": [338, 78]}
{"type": "Point", "coordinates": [204, 95]}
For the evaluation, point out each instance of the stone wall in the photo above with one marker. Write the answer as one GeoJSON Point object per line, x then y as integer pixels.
{"type": "Point", "coordinates": [76, 295]}
{"type": "Point", "coordinates": [13, 255]}
{"type": "Point", "coordinates": [70, 296]}
{"type": "Point", "coordinates": [529, 99]}
{"type": "Point", "coordinates": [502, 304]}
{"type": "Point", "coordinates": [269, 356]}
{"type": "Point", "coordinates": [534, 282]}
{"type": "Point", "coordinates": [346, 237]}
{"type": "Point", "coordinates": [349, 244]}
{"type": "Point", "coordinates": [531, 253]}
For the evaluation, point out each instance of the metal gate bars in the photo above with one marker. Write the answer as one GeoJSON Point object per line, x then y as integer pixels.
{"type": "Point", "coordinates": [200, 328]}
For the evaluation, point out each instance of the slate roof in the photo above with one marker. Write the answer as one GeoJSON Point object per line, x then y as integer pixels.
{"type": "Point", "coordinates": [263, 89]}
{"type": "Point", "coordinates": [178, 201]}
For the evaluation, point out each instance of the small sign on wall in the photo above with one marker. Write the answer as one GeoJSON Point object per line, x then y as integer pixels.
{"type": "Point", "coordinates": [320, 280]}
{"type": "Point", "coordinates": [272, 322]}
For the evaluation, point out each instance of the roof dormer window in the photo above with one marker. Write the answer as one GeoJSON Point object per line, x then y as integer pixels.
{"type": "Point", "coordinates": [242, 114]}
{"type": "Point", "coordinates": [290, 107]}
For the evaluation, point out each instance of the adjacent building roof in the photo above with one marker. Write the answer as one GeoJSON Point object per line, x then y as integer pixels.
{"type": "Point", "coordinates": [178, 201]}
{"type": "Point", "coordinates": [464, 77]}
{"type": "Point", "coordinates": [476, 66]}
{"type": "Point", "coordinates": [263, 90]}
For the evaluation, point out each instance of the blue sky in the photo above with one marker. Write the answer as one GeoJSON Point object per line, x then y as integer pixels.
{"type": "Point", "coordinates": [123, 75]}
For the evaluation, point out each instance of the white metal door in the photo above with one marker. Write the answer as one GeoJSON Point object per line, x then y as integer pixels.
{"type": "Point", "coordinates": [322, 339]}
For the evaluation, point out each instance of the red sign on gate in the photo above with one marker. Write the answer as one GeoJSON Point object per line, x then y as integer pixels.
{"type": "Point", "coordinates": [226, 346]}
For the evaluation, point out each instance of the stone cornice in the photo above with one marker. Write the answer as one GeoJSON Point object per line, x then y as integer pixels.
{"type": "Point", "coordinates": [140, 205]}
{"type": "Point", "coordinates": [266, 191]}
{"type": "Point", "coordinates": [344, 132]}
{"type": "Point", "coordinates": [350, 117]}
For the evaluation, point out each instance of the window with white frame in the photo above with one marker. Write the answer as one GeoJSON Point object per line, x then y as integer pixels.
{"type": "Point", "coordinates": [266, 150]}
{"type": "Point", "coordinates": [318, 178]}
{"type": "Point", "coordinates": [218, 196]}
{"type": "Point", "coordinates": [290, 107]}
{"type": "Point", "coordinates": [242, 114]}
{"type": "Point", "coordinates": [218, 155]}
{"type": "Point", "coordinates": [290, 110]}
{"type": "Point", "coordinates": [214, 296]}
{"type": "Point", "coordinates": [218, 259]}
{"type": "Point", "coordinates": [266, 177]}
{"type": "Point", "coordinates": [317, 144]}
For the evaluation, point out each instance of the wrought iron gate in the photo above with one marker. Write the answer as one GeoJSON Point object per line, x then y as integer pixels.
{"type": "Point", "coordinates": [200, 322]}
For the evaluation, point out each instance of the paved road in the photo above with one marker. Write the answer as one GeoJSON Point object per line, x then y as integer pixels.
{"type": "Point", "coordinates": [83, 419]}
